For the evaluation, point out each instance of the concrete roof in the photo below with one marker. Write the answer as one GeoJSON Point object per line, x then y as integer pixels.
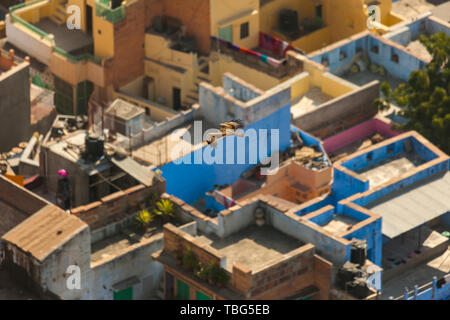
{"type": "Point", "coordinates": [45, 231]}
{"type": "Point", "coordinates": [253, 246]}
{"type": "Point", "coordinates": [124, 110]}
{"type": "Point", "coordinates": [134, 169]}
{"type": "Point", "coordinates": [442, 11]}
{"type": "Point", "coordinates": [413, 206]}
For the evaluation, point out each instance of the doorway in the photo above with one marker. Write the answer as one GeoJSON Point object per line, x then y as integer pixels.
{"type": "Point", "coordinates": [89, 20]}
{"type": "Point", "coordinates": [176, 98]}
{"type": "Point", "coordinates": [318, 16]}
{"type": "Point", "coordinates": [183, 290]}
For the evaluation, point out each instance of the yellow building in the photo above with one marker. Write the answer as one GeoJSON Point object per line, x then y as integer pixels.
{"type": "Point", "coordinates": [156, 53]}
{"type": "Point", "coordinates": [319, 23]}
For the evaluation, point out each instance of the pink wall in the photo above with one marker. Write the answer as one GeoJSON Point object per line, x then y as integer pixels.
{"type": "Point", "coordinates": [358, 132]}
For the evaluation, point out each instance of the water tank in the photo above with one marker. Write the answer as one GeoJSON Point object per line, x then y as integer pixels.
{"type": "Point", "coordinates": [358, 252]}
{"type": "Point", "coordinates": [94, 146]}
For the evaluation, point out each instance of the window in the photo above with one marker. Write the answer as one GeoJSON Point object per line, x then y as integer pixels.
{"type": "Point", "coordinates": [182, 290]}
{"type": "Point", "coordinates": [226, 33]}
{"type": "Point", "coordinates": [390, 148]}
{"type": "Point", "coordinates": [369, 156]}
{"type": "Point", "coordinates": [394, 58]}
{"type": "Point", "coordinates": [244, 30]}
{"type": "Point", "coordinates": [342, 54]}
{"type": "Point", "coordinates": [375, 49]}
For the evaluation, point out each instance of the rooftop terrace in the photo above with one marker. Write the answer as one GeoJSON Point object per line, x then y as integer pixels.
{"type": "Point", "coordinates": [390, 168]}
{"type": "Point", "coordinates": [253, 246]}
{"type": "Point", "coordinates": [309, 101]}
{"type": "Point", "coordinates": [73, 41]}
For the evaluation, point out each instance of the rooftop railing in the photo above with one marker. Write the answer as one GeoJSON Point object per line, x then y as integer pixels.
{"type": "Point", "coordinates": [16, 19]}
{"type": "Point", "coordinates": [45, 36]}
{"type": "Point", "coordinates": [103, 10]}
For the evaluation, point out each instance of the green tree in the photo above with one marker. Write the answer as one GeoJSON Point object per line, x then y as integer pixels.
{"type": "Point", "coordinates": [424, 100]}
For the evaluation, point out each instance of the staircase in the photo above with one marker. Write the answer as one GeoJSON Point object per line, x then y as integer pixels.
{"type": "Point", "coordinates": [59, 16]}
{"type": "Point", "coordinates": [202, 76]}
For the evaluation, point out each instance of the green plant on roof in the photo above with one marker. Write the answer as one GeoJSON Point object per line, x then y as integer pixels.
{"type": "Point", "coordinates": [202, 272]}
{"type": "Point", "coordinates": [221, 277]}
{"type": "Point", "coordinates": [144, 218]}
{"type": "Point", "coordinates": [164, 209]}
{"type": "Point", "coordinates": [217, 275]}
{"type": "Point", "coordinates": [189, 260]}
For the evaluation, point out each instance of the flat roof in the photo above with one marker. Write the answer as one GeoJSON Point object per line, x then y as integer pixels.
{"type": "Point", "coordinates": [68, 40]}
{"type": "Point", "coordinates": [339, 224]}
{"type": "Point", "coordinates": [413, 206]}
{"type": "Point", "coordinates": [124, 110]}
{"type": "Point", "coordinates": [45, 231]}
{"type": "Point", "coordinates": [364, 77]}
{"type": "Point", "coordinates": [390, 168]}
{"type": "Point", "coordinates": [309, 101]}
{"type": "Point", "coordinates": [253, 246]}
{"type": "Point", "coordinates": [419, 275]}
{"type": "Point", "coordinates": [442, 11]}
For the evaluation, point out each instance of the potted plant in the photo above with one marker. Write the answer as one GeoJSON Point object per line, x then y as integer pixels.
{"type": "Point", "coordinates": [201, 272]}
{"type": "Point", "coordinates": [221, 278]}
{"type": "Point", "coordinates": [212, 271]}
{"type": "Point", "coordinates": [144, 218]}
{"type": "Point", "coordinates": [189, 260]}
{"type": "Point", "coordinates": [164, 209]}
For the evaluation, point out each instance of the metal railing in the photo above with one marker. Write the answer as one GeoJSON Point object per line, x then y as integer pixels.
{"type": "Point", "coordinates": [78, 58]}
{"type": "Point", "coordinates": [103, 10]}
{"type": "Point", "coordinates": [29, 26]}
{"type": "Point", "coordinates": [46, 36]}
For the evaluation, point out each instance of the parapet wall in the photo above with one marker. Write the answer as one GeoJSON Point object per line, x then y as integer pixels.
{"type": "Point", "coordinates": [341, 112]}
{"type": "Point", "coordinates": [117, 205]}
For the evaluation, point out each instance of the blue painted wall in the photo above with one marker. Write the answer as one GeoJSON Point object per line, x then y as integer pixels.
{"type": "Point", "coordinates": [324, 217]}
{"type": "Point", "coordinates": [190, 181]}
{"type": "Point", "coordinates": [374, 238]}
{"type": "Point", "coordinates": [345, 185]}
{"type": "Point", "coordinates": [439, 167]}
{"type": "Point", "coordinates": [401, 70]}
{"type": "Point", "coordinates": [237, 90]}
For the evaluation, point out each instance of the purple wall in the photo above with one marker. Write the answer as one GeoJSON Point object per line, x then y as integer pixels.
{"type": "Point", "coordinates": [358, 132]}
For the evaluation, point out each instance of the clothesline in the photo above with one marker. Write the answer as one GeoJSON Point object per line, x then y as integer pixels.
{"type": "Point", "coordinates": [276, 46]}
{"type": "Point", "coordinates": [264, 58]}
